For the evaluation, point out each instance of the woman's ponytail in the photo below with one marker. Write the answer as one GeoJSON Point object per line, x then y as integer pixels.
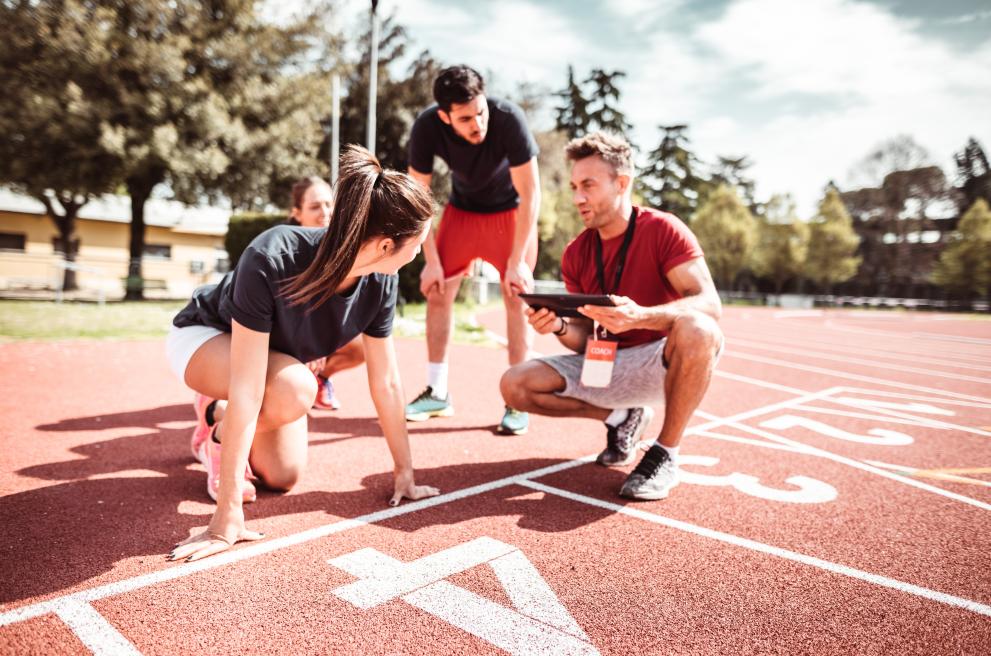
{"type": "Point", "coordinates": [369, 201]}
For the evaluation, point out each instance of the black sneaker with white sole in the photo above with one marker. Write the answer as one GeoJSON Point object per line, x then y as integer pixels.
{"type": "Point", "coordinates": [622, 440]}
{"type": "Point", "coordinates": [653, 478]}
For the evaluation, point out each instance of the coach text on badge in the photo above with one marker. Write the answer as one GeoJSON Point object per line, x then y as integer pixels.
{"type": "Point", "coordinates": [600, 356]}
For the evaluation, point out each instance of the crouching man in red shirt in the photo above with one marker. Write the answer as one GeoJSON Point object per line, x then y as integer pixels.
{"type": "Point", "coordinates": [657, 345]}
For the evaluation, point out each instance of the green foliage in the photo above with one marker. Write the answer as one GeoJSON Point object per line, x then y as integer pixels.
{"type": "Point", "coordinates": [399, 101]}
{"type": "Point", "coordinates": [558, 222]}
{"type": "Point", "coordinates": [242, 228]}
{"type": "Point", "coordinates": [572, 115]}
{"type": "Point", "coordinates": [727, 232]}
{"type": "Point", "coordinates": [782, 244]}
{"type": "Point", "coordinates": [964, 265]}
{"type": "Point", "coordinates": [583, 111]}
{"type": "Point", "coordinates": [832, 244]}
{"type": "Point", "coordinates": [670, 180]}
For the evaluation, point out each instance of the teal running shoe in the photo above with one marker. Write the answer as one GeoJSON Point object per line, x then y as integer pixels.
{"type": "Point", "coordinates": [514, 422]}
{"type": "Point", "coordinates": [426, 405]}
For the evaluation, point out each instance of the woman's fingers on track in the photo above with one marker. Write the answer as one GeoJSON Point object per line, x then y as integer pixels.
{"type": "Point", "coordinates": [203, 544]}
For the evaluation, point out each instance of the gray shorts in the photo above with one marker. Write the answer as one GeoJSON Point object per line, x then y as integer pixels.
{"type": "Point", "coordinates": [637, 377]}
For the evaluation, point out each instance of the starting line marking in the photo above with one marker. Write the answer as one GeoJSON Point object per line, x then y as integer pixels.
{"type": "Point", "coordinates": [102, 638]}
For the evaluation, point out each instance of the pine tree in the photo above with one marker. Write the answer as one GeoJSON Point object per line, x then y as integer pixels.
{"type": "Point", "coordinates": [572, 115]}
{"type": "Point", "coordinates": [669, 181]}
{"type": "Point", "coordinates": [973, 174]}
{"type": "Point", "coordinates": [602, 113]}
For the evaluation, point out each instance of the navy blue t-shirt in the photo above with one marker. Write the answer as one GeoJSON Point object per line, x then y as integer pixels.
{"type": "Point", "coordinates": [480, 180]}
{"type": "Point", "coordinates": [250, 295]}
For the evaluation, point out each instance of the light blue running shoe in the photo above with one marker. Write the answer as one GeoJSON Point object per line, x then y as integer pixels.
{"type": "Point", "coordinates": [514, 422]}
{"type": "Point", "coordinates": [426, 405]}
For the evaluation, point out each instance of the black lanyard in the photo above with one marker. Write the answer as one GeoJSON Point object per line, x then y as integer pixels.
{"type": "Point", "coordinates": [620, 256]}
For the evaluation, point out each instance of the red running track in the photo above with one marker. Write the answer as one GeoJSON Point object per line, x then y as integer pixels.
{"type": "Point", "coordinates": [837, 484]}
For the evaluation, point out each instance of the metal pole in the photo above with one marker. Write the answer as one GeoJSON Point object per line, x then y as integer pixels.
{"type": "Point", "coordinates": [335, 127]}
{"type": "Point", "coordinates": [373, 79]}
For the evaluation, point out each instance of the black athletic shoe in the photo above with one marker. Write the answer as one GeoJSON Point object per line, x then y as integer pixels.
{"type": "Point", "coordinates": [653, 478]}
{"type": "Point", "coordinates": [622, 440]}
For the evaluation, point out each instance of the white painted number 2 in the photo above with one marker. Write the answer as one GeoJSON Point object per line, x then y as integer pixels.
{"type": "Point", "coordinates": [538, 624]}
{"type": "Point", "coordinates": [880, 436]}
{"type": "Point", "coordinates": [809, 490]}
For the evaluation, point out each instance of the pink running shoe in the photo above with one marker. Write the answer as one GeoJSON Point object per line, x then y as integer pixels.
{"type": "Point", "coordinates": [326, 400]}
{"type": "Point", "coordinates": [210, 452]}
{"type": "Point", "coordinates": [202, 431]}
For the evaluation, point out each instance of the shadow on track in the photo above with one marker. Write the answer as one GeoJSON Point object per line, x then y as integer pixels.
{"type": "Point", "coordinates": [119, 499]}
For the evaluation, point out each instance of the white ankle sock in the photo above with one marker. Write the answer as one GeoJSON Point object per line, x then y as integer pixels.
{"type": "Point", "coordinates": [672, 451]}
{"type": "Point", "coordinates": [617, 416]}
{"type": "Point", "coordinates": [437, 378]}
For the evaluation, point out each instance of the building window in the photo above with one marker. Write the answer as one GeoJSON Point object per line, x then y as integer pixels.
{"type": "Point", "coordinates": [223, 264]}
{"type": "Point", "coordinates": [196, 266]}
{"type": "Point", "coordinates": [158, 252]}
{"type": "Point", "coordinates": [10, 241]}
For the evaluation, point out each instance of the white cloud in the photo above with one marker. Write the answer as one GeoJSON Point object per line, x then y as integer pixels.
{"type": "Point", "coordinates": [875, 76]}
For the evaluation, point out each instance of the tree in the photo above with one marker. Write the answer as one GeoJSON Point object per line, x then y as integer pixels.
{"type": "Point", "coordinates": [783, 242]}
{"type": "Point", "coordinates": [832, 244]}
{"type": "Point", "coordinates": [51, 131]}
{"type": "Point", "coordinates": [572, 115]}
{"type": "Point", "coordinates": [732, 171]}
{"type": "Point", "coordinates": [558, 222]}
{"type": "Point", "coordinates": [602, 113]}
{"type": "Point", "coordinates": [727, 232]}
{"type": "Point", "coordinates": [973, 175]}
{"type": "Point", "coordinates": [202, 96]}
{"type": "Point", "coordinates": [399, 101]}
{"type": "Point", "coordinates": [900, 153]}
{"type": "Point", "coordinates": [964, 266]}
{"type": "Point", "coordinates": [669, 180]}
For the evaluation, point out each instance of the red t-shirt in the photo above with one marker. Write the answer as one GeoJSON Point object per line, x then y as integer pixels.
{"type": "Point", "coordinates": [661, 241]}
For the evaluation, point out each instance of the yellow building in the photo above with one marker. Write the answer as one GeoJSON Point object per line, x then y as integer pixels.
{"type": "Point", "coordinates": [184, 247]}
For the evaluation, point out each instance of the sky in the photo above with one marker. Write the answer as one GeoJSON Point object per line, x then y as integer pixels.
{"type": "Point", "coordinates": [805, 89]}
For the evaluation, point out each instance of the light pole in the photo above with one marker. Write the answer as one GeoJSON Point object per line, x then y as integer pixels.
{"type": "Point", "coordinates": [373, 79]}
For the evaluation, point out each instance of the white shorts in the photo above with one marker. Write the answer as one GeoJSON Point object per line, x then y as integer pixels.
{"type": "Point", "coordinates": [183, 342]}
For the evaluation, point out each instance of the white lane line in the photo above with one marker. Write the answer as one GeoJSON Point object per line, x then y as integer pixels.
{"type": "Point", "coordinates": [875, 364]}
{"type": "Point", "coordinates": [986, 405]}
{"type": "Point", "coordinates": [856, 464]}
{"type": "Point", "coordinates": [841, 344]}
{"type": "Point", "coordinates": [746, 543]}
{"type": "Point", "coordinates": [93, 629]}
{"type": "Point", "coordinates": [843, 374]}
{"type": "Point", "coordinates": [759, 383]}
{"type": "Point", "coordinates": [258, 548]}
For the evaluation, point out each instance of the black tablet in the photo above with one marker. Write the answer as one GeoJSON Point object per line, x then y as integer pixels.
{"type": "Point", "coordinates": [565, 305]}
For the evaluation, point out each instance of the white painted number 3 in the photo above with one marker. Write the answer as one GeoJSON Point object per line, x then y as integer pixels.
{"type": "Point", "coordinates": [809, 490]}
{"type": "Point", "coordinates": [539, 624]}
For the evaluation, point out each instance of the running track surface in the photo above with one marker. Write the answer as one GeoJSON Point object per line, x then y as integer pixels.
{"type": "Point", "coordinates": [835, 499]}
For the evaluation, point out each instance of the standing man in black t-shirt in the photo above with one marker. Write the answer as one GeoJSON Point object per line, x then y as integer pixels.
{"type": "Point", "coordinates": [491, 214]}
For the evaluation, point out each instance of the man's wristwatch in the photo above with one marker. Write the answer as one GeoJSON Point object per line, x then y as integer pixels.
{"type": "Point", "coordinates": [564, 328]}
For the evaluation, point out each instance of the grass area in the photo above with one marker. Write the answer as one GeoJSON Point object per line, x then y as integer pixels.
{"type": "Point", "coordinates": [45, 320]}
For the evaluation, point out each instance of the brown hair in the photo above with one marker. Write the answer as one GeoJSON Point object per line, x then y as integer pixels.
{"type": "Point", "coordinates": [302, 186]}
{"type": "Point", "coordinates": [370, 202]}
{"type": "Point", "coordinates": [614, 150]}
{"type": "Point", "coordinates": [457, 84]}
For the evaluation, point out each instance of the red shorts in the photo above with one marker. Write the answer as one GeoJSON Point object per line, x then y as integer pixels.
{"type": "Point", "coordinates": [464, 236]}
